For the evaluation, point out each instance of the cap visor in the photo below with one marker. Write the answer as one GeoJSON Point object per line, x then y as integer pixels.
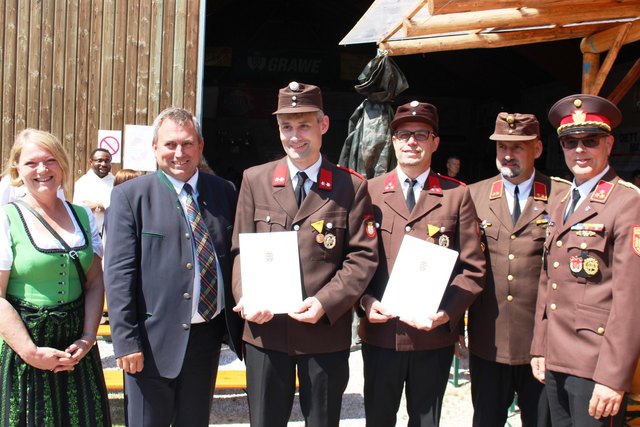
{"type": "Point", "coordinates": [590, 129]}
{"type": "Point", "coordinates": [497, 137]}
{"type": "Point", "coordinates": [295, 110]}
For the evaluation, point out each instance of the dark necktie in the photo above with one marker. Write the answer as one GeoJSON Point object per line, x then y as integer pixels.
{"type": "Point", "coordinates": [411, 197]}
{"type": "Point", "coordinates": [516, 206]}
{"type": "Point", "coordinates": [299, 191]}
{"type": "Point", "coordinates": [575, 196]}
{"type": "Point", "coordinates": [204, 248]}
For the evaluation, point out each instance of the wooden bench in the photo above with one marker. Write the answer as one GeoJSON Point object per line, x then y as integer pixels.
{"type": "Point", "coordinates": [226, 379]}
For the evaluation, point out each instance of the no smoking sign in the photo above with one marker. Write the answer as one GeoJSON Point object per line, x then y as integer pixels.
{"type": "Point", "coordinates": [111, 140]}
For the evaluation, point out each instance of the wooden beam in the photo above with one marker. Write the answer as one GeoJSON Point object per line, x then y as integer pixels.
{"type": "Point", "coordinates": [484, 40]}
{"type": "Point", "coordinates": [439, 7]}
{"type": "Point", "coordinates": [627, 83]}
{"type": "Point", "coordinates": [602, 41]}
{"type": "Point", "coordinates": [610, 59]}
{"type": "Point", "coordinates": [518, 18]}
{"type": "Point", "coordinates": [590, 67]}
{"type": "Point", "coordinates": [396, 28]}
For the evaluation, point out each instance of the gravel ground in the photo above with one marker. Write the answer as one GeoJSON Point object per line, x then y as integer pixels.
{"type": "Point", "coordinates": [230, 407]}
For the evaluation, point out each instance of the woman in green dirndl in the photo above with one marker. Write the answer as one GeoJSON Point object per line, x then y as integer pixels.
{"type": "Point", "coordinates": [51, 296]}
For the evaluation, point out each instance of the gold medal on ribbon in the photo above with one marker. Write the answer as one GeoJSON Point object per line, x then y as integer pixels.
{"type": "Point", "coordinates": [590, 266]}
{"type": "Point", "coordinates": [329, 241]}
{"type": "Point", "coordinates": [320, 238]}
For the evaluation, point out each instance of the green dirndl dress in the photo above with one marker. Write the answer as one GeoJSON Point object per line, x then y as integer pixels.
{"type": "Point", "coordinates": [45, 291]}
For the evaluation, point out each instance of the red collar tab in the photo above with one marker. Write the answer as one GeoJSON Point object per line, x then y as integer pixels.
{"type": "Point", "coordinates": [325, 180]}
{"type": "Point", "coordinates": [496, 190]}
{"type": "Point", "coordinates": [280, 176]}
{"type": "Point", "coordinates": [390, 182]}
{"type": "Point", "coordinates": [602, 191]}
{"type": "Point", "coordinates": [433, 185]}
{"type": "Point", "coordinates": [540, 191]}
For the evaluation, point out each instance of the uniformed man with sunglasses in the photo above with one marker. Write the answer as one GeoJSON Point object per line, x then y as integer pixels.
{"type": "Point", "coordinates": [586, 337]}
{"type": "Point", "coordinates": [413, 200]}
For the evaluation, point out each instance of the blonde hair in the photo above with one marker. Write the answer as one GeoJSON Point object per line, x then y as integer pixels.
{"type": "Point", "coordinates": [44, 140]}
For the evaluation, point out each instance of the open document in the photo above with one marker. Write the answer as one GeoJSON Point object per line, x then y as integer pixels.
{"type": "Point", "coordinates": [270, 268]}
{"type": "Point", "coordinates": [419, 278]}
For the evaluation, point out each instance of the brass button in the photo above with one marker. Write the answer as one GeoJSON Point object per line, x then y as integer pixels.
{"type": "Point", "coordinates": [556, 264]}
{"type": "Point", "coordinates": [513, 237]}
{"type": "Point", "coordinates": [512, 257]}
{"type": "Point", "coordinates": [553, 307]}
{"type": "Point", "coordinates": [559, 243]}
{"type": "Point", "coordinates": [189, 266]}
{"type": "Point", "coordinates": [554, 286]}
{"type": "Point", "coordinates": [509, 298]}
{"type": "Point", "coordinates": [583, 245]}
{"type": "Point", "coordinates": [600, 330]}
{"type": "Point", "coordinates": [510, 277]}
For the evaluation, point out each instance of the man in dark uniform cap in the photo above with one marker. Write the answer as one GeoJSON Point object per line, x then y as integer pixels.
{"type": "Point", "coordinates": [330, 209]}
{"type": "Point", "coordinates": [586, 337]}
{"type": "Point", "coordinates": [513, 208]}
{"type": "Point", "coordinates": [413, 200]}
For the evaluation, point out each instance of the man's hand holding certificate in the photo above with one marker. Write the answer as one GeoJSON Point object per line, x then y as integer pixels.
{"type": "Point", "coordinates": [417, 283]}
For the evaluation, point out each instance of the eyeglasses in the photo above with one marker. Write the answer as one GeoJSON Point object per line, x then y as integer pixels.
{"type": "Point", "coordinates": [589, 141]}
{"type": "Point", "coordinates": [418, 135]}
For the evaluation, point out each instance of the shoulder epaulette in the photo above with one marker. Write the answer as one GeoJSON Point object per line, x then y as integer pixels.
{"type": "Point", "coordinates": [628, 185]}
{"type": "Point", "coordinates": [558, 179]}
{"type": "Point", "coordinates": [351, 171]}
{"type": "Point", "coordinates": [452, 179]}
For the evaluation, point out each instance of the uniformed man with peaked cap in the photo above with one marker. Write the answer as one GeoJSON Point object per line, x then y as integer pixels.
{"type": "Point", "coordinates": [330, 210]}
{"type": "Point", "coordinates": [413, 200]}
{"type": "Point", "coordinates": [586, 337]}
{"type": "Point", "coordinates": [513, 208]}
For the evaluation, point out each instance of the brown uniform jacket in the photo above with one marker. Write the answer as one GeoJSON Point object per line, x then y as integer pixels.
{"type": "Point", "coordinates": [501, 318]}
{"type": "Point", "coordinates": [444, 203]}
{"type": "Point", "coordinates": [588, 326]}
{"type": "Point", "coordinates": [336, 276]}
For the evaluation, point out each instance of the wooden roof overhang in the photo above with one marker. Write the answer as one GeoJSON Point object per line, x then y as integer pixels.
{"type": "Point", "coordinates": [405, 27]}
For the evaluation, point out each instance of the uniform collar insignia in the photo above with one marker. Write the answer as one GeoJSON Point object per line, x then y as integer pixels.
{"type": "Point", "coordinates": [539, 191]}
{"type": "Point", "coordinates": [433, 185]}
{"type": "Point", "coordinates": [602, 191]}
{"type": "Point", "coordinates": [390, 182]}
{"type": "Point", "coordinates": [496, 190]}
{"type": "Point", "coordinates": [325, 181]}
{"type": "Point", "coordinates": [280, 176]}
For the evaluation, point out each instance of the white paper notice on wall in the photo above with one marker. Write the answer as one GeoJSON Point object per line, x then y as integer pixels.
{"type": "Point", "coordinates": [111, 140]}
{"type": "Point", "coordinates": [138, 153]}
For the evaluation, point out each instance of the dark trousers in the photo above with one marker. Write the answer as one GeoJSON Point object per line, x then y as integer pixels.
{"type": "Point", "coordinates": [493, 386]}
{"type": "Point", "coordinates": [186, 399]}
{"type": "Point", "coordinates": [569, 398]}
{"type": "Point", "coordinates": [387, 372]}
{"type": "Point", "coordinates": [271, 386]}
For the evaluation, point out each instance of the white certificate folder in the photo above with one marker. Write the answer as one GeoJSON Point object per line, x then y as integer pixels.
{"type": "Point", "coordinates": [270, 268]}
{"type": "Point", "coordinates": [419, 278]}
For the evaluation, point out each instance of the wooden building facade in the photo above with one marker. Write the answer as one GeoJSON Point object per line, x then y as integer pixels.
{"type": "Point", "coordinates": [72, 67]}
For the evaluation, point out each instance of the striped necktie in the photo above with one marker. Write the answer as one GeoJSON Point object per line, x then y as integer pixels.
{"type": "Point", "coordinates": [204, 248]}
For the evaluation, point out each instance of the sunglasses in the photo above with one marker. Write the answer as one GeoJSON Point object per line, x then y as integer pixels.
{"type": "Point", "coordinates": [571, 143]}
{"type": "Point", "coordinates": [418, 135]}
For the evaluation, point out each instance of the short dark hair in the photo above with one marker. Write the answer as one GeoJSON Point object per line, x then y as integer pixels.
{"type": "Point", "coordinates": [95, 150]}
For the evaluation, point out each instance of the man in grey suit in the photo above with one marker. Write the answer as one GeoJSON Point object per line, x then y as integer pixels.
{"type": "Point", "coordinates": [168, 277]}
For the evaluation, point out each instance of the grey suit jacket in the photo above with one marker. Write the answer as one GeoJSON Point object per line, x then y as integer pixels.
{"type": "Point", "coordinates": [149, 268]}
